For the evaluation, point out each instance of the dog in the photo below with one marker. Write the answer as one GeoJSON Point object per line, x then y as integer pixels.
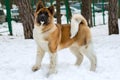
{"type": "Point", "coordinates": [51, 37]}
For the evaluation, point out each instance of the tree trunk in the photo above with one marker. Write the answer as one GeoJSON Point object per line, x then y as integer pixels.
{"type": "Point", "coordinates": [90, 15]}
{"type": "Point", "coordinates": [86, 4]}
{"type": "Point", "coordinates": [119, 10]}
{"type": "Point", "coordinates": [58, 16]}
{"type": "Point", "coordinates": [27, 17]}
{"type": "Point", "coordinates": [113, 17]}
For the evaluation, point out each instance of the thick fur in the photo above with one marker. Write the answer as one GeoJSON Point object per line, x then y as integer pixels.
{"type": "Point", "coordinates": [51, 37]}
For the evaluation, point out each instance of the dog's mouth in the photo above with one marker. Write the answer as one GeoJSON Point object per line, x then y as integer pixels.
{"type": "Point", "coordinates": [42, 22]}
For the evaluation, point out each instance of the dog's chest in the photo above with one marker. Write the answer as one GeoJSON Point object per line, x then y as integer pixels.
{"type": "Point", "coordinates": [39, 38]}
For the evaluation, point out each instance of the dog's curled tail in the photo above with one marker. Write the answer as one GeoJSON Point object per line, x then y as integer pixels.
{"type": "Point", "coordinates": [75, 21]}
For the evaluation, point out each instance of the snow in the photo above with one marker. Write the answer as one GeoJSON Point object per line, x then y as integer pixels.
{"type": "Point", "coordinates": [17, 56]}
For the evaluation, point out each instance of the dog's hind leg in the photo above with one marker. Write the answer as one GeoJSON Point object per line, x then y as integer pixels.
{"type": "Point", "coordinates": [39, 57]}
{"type": "Point", "coordinates": [92, 57]}
{"type": "Point", "coordinates": [78, 55]}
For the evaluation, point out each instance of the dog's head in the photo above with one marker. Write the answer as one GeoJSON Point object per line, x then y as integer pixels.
{"type": "Point", "coordinates": [44, 15]}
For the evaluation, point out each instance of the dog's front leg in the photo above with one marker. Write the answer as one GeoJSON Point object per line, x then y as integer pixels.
{"type": "Point", "coordinates": [39, 57]}
{"type": "Point", "coordinates": [53, 61]}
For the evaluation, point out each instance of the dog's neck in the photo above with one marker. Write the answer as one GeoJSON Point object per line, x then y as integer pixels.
{"type": "Point", "coordinates": [50, 28]}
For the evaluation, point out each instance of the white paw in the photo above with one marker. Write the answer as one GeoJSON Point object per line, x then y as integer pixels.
{"type": "Point", "coordinates": [35, 68]}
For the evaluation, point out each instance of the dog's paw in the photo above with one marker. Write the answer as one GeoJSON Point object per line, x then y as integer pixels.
{"type": "Point", "coordinates": [51, 73]}
{"type": "Point", "coordinates": [35, 68]}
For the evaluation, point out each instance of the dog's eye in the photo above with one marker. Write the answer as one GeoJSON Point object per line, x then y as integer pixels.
{"type": "Point", "coordinates": [40, 13]}
{"type": "Point", "coordinates": [43, 13]}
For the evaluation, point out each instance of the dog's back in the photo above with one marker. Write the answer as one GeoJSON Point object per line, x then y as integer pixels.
{"type": "Point", "coordinates": [76, 32]}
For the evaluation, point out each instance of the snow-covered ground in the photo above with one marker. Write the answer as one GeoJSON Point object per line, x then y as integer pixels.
{"type": "Point", "coordinates": [17, 57]}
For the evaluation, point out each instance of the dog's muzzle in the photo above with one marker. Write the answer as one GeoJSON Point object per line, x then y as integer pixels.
{"type": "Point", "coordinates": [42, 18]}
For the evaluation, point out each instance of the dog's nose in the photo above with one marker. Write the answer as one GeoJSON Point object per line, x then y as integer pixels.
{"type": "Point", "coordinates": [42, 17]}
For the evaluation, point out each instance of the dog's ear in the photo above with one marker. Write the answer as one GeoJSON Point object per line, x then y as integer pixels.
{"type": "Point", "coordinates": [51, 9]}
{"type": "Point", "coordinates": [39, 5]}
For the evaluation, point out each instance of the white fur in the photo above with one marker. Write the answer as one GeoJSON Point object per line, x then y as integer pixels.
{"type": "Point", "coordinates": [53, 61]}
{"type": "Point", "coordinates": [42, 22]}
{"type": "Point", "coordinates": [39, 57]}
{"type": "Point", "coordinates": [75, 21]}
{"type": "Point", "coordinates": [87, 50]}
{"type": "Point", "coordinates": [74, 27]}
{"type": "Point", "coordinates": [39, 38]}
{"type": "Point", "coordinates": [82, 50]}
{"type": "Point", "coordinates": [43, 47]}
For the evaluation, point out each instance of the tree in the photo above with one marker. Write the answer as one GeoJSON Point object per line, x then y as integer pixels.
{"type": "Point", "coordinates": [113, 17]}
{"type": "Point", "coordinates": [86, 4]}
{"type": "Point", "coordinates": [3, 2]}
{"type": "Point", "coordinates": [27, 17]}
{"type": "Point", "coordinates": [58, 16]}
{"type": "Point", "coordinates": [90, 15]}
{"type": "Point", "coordinates": [119, 10]}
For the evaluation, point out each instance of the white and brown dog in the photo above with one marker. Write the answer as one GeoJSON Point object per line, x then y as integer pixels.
{"type": "Point", "coordinates": [51, 37]}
